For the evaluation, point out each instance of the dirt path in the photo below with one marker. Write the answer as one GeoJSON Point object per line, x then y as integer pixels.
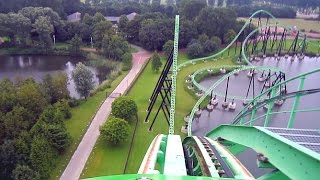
{"type": "Point", "coordinates": [81, 155]}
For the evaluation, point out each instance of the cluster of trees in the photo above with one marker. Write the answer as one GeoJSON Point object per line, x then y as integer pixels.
{"type": "Point", "coordinates": [153, 30]}
{"type": "Point", "coordinates": [279, 12]}
{"type": "Point", "coordinates": [117, 129]}
{"type": "Point", "coordinates": [63, 7]}
{"type": "Point", "coordinates": [297, 3]}
{"type": "Point", "coordinates": [32, 130]}
{"type": "Point", "coordinates": [31, 26]}
{"type": "Point", "coordinates": [203, 45]}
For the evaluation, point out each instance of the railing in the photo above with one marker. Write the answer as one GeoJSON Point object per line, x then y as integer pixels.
{"type": "Point", "coordinates": [251, 109]}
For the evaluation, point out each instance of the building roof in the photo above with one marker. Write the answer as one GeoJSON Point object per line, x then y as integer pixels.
{"type": "Point", "coordinates": [74, 17]}
{"type": "Point", "coordinates": [116, 19]}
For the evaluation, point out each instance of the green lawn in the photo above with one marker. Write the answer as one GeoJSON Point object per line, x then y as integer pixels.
{"type": "Point", "coordinates": [307, 25]}
{"type": "Point", "coordinates": [107, 160]}
{"type": "Point", "coordinates": [78, 124]}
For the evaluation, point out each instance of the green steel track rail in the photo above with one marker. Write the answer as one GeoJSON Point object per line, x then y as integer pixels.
{"type": "Point", "coordinates": [174, 75]}
{"type": "Point", "coordinates": [247, 110]}
{"type": "Point", "coordinates": [243, 54]}
{"type": "Point", "coordinates": [237, 69]}
{"type": "Point", "coordinates": [230, 44]}
{"type": "Point", "coordinates": [292, 159]}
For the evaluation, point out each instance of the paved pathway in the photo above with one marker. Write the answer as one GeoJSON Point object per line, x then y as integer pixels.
{"type": "Point", "coordinates": [81, 155]}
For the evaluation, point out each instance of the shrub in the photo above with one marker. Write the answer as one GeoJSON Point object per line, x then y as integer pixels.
{"type": "Point", "coordinates": [115, 130]}
{"type": "Point", "coordinates": [195, 50]}
{"type": "Point", "coordinates": [124, 107]}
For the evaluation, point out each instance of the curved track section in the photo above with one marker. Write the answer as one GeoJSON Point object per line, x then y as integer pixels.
{"type": "Point", "coordinates": [260, 101]}
{"type": "Point", "coordinates": [243, 55]}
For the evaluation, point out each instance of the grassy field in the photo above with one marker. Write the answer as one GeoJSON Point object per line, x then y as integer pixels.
{"type": "Point", "coordinates": [307, 25]}
{"type": "Point", "coordinates": [107, 160]}
{"type": "Point", "coordinates": [78, 124]}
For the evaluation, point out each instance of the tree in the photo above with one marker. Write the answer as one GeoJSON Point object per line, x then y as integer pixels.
{"type": "Point", "coordinates": [191, 8]}
{"type": "Point", "coordinates": [229, 36]}
{"type": "Point", "coordinates": [215, 21]}
{"type": "Point", "coordinates": [194, 50]}
{"type": "Point", "coordinates": [98, 17]}
{"type": "Point", "coordinates": [55, 87]}
{"type": "Point", "coordinates": [63, 106]}
{"type": "Point", "coordinates": [8, 158]}
{"type": "Point", "coordinates": [20, 26]}
{"type": "Point", "coordinates": [83, 79]}
{"type": "Point", "coordinates": [156, 62]}
{"type": "Point", "coordinates": [167, 47]}
{"type": "Point", "coordinates": [24, 172]}
{"type": "Point", "coordinates": [44, 29]}
{"type": "Point", "coordinates": [114, 47]}
{"type": "Point", "coordinates": [87, 19]}
{"type": "Point", "coordinates": [75, 43]}
{"type": "Point", "coordinates": [203, 38]}
{"type": "Point", "coordinates": [127, 61]}
{"type": "Point", "coordinates": [155, 32]}
{"type": "Point", "coordinates": [123, 23]}
{"type": "Point", "coordinates": [100, 30]}
{"type": "Point", "coordinates": [216, 39]}
{"type": "Point", "coordinates": [16, 121]}
{"type": "Point", "coordinates": [209, 47]}
{"type": "Point", "coordinates": [42, 156]}
{"type": "Point", "coordinates": [124, 107]}
{"type": "Point", "coordinates": [52, 115]}
{"type": "Point", "coordinates": [115, 130]}
{"type": "Point", "coordinates": [8, 97]}
{"type": "Point", "coordinates": [58, 137]}
{"type": "Point", "coordinates": [30, 96]}
{"type": "Point", "coordinates": [188, 31]}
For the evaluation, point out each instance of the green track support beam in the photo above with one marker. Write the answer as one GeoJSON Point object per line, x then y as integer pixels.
{"type": "Point", "coordinates": [174, 75]}
{"type": "Point", "coordinates": [292, 159]}
{"type": "Point", "coordinates": [275, 175]}
{"type": "Point", "coordinates": [296, 103]}
{"type": "Point", "coordinates": [254, 111]}
{"type": "Point", "coordinates": [267, 120]}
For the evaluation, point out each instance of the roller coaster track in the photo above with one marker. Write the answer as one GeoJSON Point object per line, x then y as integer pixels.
{"type": "Point", "coordinates": [290, 153]}
{"type": "Point", "coordinates": [244, 55]}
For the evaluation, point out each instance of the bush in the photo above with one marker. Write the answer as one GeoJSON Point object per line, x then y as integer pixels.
{"type": "Point", "coordinates": [127, 61]}
{"type": "Point", "coordinates": [124, 107]}
{"type": "Point", "coordinates": [156, 62]}
{"type": "Point", "coordinates": [64, 107]}
{"type": "Point", "coordinates": [209, 47]}
{"type": "Point", "coordinates": [167, 47]}
{"type": "Point", "coordinates": [73, 102]}
{"type": "Point", "coordinates": [115, 130]}
{"type": "Point", "coordinates": [216, 39]}
{"type": "Point", "coordinates": [195, 50]}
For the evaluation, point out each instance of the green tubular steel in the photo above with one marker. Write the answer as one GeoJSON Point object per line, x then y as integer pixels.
{"type": "Point", "coordinates": [292, 159]}
{"type": "Point", "coordinates": [274, 175]}
{"type": "Point", "coordinates": [202, 98]}
{"type": "Point", "coordinates": [174, 75]}
{"type": "Point", "coordinates": [296, 103]}
{"type": "Point", "coordinates": [153, 176]}
{"type": "Point", "coordinates": [231, 43]}
{"type": "Point", "coordinates": [270, 107]}
{"type": "Point", "coordinates": [279, 112]}
{"type": "Point", "coordinates": [241, 114]}
{"type": "Point", "coordinates": [239, 68]}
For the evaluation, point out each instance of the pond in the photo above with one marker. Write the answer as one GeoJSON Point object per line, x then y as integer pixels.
{"type": "Point", "coordinates": [37, 67]}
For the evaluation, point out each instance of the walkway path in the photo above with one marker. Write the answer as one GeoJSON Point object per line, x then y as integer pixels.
{"type": "Point", "coordinates": [81, 155]}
